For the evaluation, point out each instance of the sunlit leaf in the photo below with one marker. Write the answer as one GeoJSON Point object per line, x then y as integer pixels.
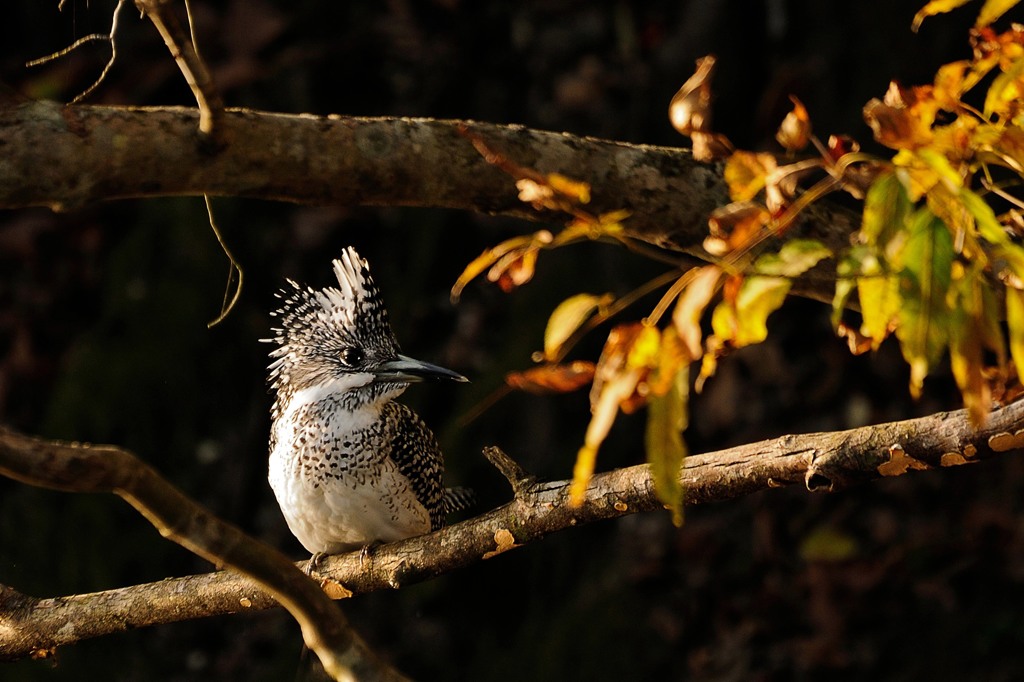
{"type": "Point", "coordinates": [561, 378]}
{"type": "Point", "coordinates": [886, 207]}
{"type": "Point", "coordinates": [614, 391]}
{"type": "Point", "coordinates": [690, 108]}
{"type": "Point", "coordinates": [795, 131]}
{"type": "Point", "coordinates": [903, 119]}
{"type": "Point", "coordinates": [1015, 325]}
{"type": "Point", "coordinates": [992, 10]}
{"type": "Point", "coordinates": [690, 308]}
{"type": "Point", "coordinates": [935, 7]}
{"type": "Point", "coordinates": [796, 257]}
{"type": "Point", "coordinates": [1005, 94]}
{"type": "Point", "coordinates": [746, 172]}
{"type": "Point", "coordinates": [758, 298]}
{"type": "Point", "coordinates": [514, 269]}
{"type": "Point", "coordinates": [847, 268]}
{"type": "Point", "coordinates": [666, 420]}
{"type": "Point", "coordinates": [879, 296]}
{"type": "Point", "coordinates": [489, 257]}
{"type": "Point", "coordinates": [645, 350]}
{"type": "Point", "coordinates": [924, 283]}
{"type": "Point", "coordinates": [966, 345]}
{"type": "Point", "coordinates": [572, 189]}
{"type": "Point", "coordinates": [582, 472]}
{"type": "Point", "coordinates": [567, 317]}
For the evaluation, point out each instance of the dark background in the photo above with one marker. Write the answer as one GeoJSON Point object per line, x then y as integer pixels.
{"type": "Point", "coordinates": [103, 337]}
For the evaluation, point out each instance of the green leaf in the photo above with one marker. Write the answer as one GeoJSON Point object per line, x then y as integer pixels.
{"type": "Point", "coordinates": [666, 420]}
{"type": "Point", "coordinates": [758, 298]}
{"type": "Point", "coordinates": [567, 317]}
{"type": "Point", "coordinates": [886, 207]}
{"type": "Point", "coordinates": [796, 257]}
{"type": "Point", "coordinates": [924, 282]}
{"type": "Point", "coordinates": [879, 295]}
{"type": "Point", "coordinates": [846, 270]}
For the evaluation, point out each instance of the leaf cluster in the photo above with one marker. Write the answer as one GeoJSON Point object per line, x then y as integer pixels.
{"type": "Point", "coordinates": [937, 262]}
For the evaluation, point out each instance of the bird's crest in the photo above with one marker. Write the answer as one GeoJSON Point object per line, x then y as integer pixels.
{"type": "Point", "coordinates": [317, 324]}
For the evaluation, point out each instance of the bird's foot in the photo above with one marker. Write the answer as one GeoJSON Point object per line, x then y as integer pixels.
{"type": "Point", "coordinates": [313, 565]}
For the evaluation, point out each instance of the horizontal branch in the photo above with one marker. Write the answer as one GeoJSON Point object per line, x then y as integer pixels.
{"type": "Point", "coordinates": [821, 462]}
{"type": "Point", "coordinates": [68, 156]}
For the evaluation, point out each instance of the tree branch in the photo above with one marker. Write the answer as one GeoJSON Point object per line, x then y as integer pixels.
{"type": "Point", "coordinates": [67, 156]}
{"type": "Point", "coordinates": [822, 462]}
{"type": "Point", "coordinates": [83, 468]}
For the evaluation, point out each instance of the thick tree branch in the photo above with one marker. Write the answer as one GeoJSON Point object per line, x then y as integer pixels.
{"type": "Point", "coordinates": [821, 462]}
{"type": "Point", "coordinates": [83, 468]}
{"type": "Point", "coordinates": [66, 156]}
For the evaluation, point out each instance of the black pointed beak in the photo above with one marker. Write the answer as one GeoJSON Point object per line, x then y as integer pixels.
{"type": "Point", "coordinates": [407, 369]}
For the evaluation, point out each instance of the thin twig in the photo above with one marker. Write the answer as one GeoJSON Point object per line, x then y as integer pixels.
{"type": "Point", "coordinates": [517, 477]}
{"type": "Point", "coordinates": [226, 306]}
{"type": "Point", "coordinates": [82, 41]}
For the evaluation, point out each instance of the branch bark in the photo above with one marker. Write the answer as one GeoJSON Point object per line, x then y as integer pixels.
{"type": "Point", "coordinates": [821, 462]}
{"type": "Point", "coordinates": [68, 156]}
{"type": "Point", "coordinates": [75, 467]}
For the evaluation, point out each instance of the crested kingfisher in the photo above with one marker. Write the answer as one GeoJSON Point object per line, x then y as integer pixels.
{"type": "Point", "coordinates": [349, 466]}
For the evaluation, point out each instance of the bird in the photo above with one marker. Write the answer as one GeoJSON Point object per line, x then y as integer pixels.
{"type": "Point", "coordinates": [349, 466]}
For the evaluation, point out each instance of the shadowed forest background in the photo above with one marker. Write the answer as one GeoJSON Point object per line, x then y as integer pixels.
{"type": "Point", "coordinates": [103, 337]}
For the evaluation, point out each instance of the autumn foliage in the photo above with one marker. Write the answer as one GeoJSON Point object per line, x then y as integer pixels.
{"type": "Point", "coordinates": [937, 262]}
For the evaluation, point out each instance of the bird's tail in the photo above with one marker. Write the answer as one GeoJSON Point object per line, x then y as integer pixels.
{"type": "Point", "coordinates": [458, 499]}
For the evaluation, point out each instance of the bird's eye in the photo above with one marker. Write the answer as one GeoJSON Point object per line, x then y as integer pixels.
{"type": "Point", "coordinates": [351, 356]}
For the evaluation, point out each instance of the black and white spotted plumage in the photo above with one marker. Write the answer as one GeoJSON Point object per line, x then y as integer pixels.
{"type": "Point", "coordinates": [349, 466]}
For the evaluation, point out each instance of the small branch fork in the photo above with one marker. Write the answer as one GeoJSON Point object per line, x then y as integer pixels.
{"type": "Point", "coordinates": [184, 49]}
{"type": "Point", "coordinates": [821, 462]}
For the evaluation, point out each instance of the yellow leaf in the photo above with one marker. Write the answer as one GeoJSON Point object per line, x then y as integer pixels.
{"type": "Point", "coordinates": [690, 307]}
{"type": "Point", "coordinates": [992, 10]}
{"type": "Point", "coordinates": [1005, 93]}
{"type": "Point", "coordinates": [746, 173]}
{"type": "Point", "coordinates": [573, 189]}
{"type": "Point", "coordinates": [935, 7]}
{"type": "Point", "coordinates": [966, 345]}
{"type": "Point", "coordinates": [666, 419]}
{"type": "Point", "coordinates": [646, 348]}
{"type": "Point", "coordinates": [614, 391]}
{"type": "Point", "coordinates": [879, 297]}
{"type": "Point", "coordinates": [567, 317]}
{"type": "Point", "coordinates": [759, 297]}
{"type": "Point", "coordinates": [1015, 325]}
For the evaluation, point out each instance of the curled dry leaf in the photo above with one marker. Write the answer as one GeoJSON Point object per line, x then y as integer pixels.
{"type": "Point", "coordinates": [795, 131]}
{"type": "Point", "coordinates": [903, 119]}
{"type": "Point", "coordinates": [553, 378]}
{"type": "Point", "coordinates": [490, 256]}
{"type": "Point", "coordinates": [735, 226]}
{"type": "Point", "coordinates": [690, 308]}
{"type": "Point", "coordinates": [690, 108]}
